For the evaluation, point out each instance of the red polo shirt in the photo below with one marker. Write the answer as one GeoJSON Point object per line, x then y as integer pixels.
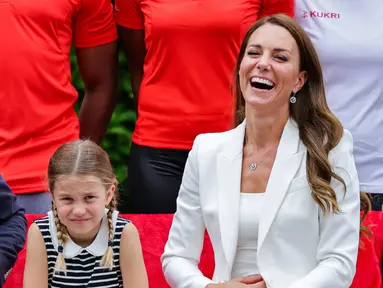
{"type": "Point", "coordinates": [191, 47]}
{"type": "Point", "coordinates": [36, 93]}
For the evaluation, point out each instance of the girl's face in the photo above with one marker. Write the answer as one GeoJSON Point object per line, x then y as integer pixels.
{"type": "Point", "coordinates": [80, 203]}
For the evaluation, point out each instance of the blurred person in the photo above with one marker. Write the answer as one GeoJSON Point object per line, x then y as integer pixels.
{"type": "Point", "coordinates": [38, 97]}
{"type": "Point", "coordinates": [350, 47]}
{"type": "Point", "coordinates": [181, 55]}
{"type": "Point", "coordinates": [13, 226]}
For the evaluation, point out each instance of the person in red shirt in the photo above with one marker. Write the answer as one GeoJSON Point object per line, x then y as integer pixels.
{"type": "Point", "coordinates": [37, 112]}
{"type": "Point", "coordinates": [181, 55]}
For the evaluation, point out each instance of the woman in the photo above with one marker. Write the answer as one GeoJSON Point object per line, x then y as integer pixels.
{"type": "Point", "coordinates": [282, 186]}
{"type": "Point", "coordinates": [180, 55]}
{"type": "Point", "coordinates": [347, 47]}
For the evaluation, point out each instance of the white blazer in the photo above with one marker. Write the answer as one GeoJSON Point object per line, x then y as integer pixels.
{"type": "Point", "coordinates": [298, 246]}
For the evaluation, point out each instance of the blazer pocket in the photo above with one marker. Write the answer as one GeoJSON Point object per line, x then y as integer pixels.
{"type": "Point", "coordinates": [298, 184]}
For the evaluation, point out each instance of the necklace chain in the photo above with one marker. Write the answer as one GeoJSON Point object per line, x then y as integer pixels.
{"type": "Point", "coordinates": [253, 165]}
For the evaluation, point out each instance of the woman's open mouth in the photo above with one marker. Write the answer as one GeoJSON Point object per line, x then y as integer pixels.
{"type": "Point", "coordinates": [261, 83]}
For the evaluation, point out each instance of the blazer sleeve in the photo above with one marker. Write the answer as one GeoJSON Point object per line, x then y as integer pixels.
{"type": "Point", "coordinates": [13, 227]}
{"type": "Point", "coordinates": [339, 233]}
{"type": "Point", "coordinates": [183, 248]}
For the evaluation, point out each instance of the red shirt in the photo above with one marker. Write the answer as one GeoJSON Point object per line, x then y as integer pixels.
{"type": "Point", "coordinates": [36, 93]}
{"type": "Point", "coordinates": [191, 47]}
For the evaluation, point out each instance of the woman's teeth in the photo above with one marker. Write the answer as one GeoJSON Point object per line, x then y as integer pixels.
{"type": "Point", "coordinates": [261, 83]}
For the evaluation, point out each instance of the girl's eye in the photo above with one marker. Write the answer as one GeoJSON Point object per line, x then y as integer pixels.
{"type": "Point", "coordinates": [89, 197]}
{"type": "Point", "coordinates": [66, 199]}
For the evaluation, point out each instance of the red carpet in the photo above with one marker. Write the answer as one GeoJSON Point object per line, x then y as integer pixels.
{"type": "Point", "coordinates": [154, 231]}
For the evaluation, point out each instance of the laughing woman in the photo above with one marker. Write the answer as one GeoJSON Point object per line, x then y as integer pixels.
{"type": "Point", "coordinates": [282, 186]}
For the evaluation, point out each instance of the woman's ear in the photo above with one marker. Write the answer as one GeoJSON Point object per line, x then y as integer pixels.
{"type": "Point", "coordinates": [110, 194]}
{"type": "Point", "coordinates": [302, 78]}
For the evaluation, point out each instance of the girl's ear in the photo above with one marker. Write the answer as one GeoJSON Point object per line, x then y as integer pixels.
{"type": "Point", "coordinates": [110, 194]}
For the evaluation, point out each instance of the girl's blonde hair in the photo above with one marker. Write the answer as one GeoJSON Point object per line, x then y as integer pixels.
{"type": "Point", "coordinates": [82, 158]}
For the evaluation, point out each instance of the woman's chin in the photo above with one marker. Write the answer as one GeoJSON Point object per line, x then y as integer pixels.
{"type": "Point", "coordinates": [259, 101]}
{"type": "Point", "coordinates": [254, 96]}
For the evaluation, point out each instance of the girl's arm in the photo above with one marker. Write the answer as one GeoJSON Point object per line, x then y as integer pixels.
{"type": "Point", "coordinates": [131, 259]}
{"type": "Point", "coordinates": [36, 266]}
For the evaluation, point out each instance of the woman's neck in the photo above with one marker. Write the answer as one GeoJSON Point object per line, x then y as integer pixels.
{"type": "Point", "coordinates": [263, 131]}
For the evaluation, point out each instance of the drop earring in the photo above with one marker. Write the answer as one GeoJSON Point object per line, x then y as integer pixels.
{"type": "Point", "coordinates": [293, 99]}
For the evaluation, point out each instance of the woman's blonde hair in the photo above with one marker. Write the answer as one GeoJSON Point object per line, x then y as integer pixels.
{"type": "Point", "coordinates": [312, 114]}
{"type": "Point", "coordinates": [82, 158]}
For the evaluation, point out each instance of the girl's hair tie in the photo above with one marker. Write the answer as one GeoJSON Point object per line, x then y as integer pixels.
{"type": "Point", "coordinates": [110, 244]}
{"type": "Point", "coordinates": [60, 249]}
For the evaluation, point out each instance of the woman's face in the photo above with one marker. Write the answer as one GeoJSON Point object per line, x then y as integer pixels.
{"type": "Point", "coordinates": [270, 69]}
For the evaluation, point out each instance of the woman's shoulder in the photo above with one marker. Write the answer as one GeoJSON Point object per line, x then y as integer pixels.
{"type": "Point", "coordinates": [213, 142]}
{"type": "Point", "coordinates": [345, 145]}
{"type": "Point", "coordinates": [216, 136]}
{"type": "Point", "coordinates": [347, 139]}
{"type": "Point", "coordinates": [342, 157]}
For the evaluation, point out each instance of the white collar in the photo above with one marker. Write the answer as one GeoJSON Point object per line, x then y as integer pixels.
{"type": "Point", "coordinates": [98, 246]}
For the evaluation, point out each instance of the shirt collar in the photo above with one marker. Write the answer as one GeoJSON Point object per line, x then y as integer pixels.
{"type": "Point", "coordinates": [98, 246]}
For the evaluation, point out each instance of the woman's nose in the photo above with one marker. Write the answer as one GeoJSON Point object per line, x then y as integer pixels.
{"type": "Point", "coordinates": [263, 63]}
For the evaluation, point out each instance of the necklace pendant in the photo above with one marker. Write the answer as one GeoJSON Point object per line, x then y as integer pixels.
{"type": "Point", "coordinates": [253, 166]}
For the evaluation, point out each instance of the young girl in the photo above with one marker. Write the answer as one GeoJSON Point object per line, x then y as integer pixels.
{"type": "Point", "coordinates": [83, 242]}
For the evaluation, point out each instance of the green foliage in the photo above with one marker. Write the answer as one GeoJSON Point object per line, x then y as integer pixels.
{"type": "Point", "coordinates": [118, 137]}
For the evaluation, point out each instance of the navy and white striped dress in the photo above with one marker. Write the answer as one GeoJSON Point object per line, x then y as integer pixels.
{"type": "Point", "coordinates": [82, 264]}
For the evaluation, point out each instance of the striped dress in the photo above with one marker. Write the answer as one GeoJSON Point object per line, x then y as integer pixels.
{"type": "Point", "coordinates": [82, 264]}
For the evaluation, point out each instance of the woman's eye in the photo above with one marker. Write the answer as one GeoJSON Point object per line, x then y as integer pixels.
{"type": "Point", "coordinates": [252, 53]}
{"type": "Point", "coordinates": [282, 58]}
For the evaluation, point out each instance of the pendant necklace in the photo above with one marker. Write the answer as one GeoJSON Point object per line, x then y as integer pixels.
{"type": "Point", "coordinates": [253, 166]}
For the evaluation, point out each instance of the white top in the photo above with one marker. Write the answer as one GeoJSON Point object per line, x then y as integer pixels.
{"type": "Point", "coordinates": [245, 262]}
{"type": "Point", "coordinates": [348, 36]}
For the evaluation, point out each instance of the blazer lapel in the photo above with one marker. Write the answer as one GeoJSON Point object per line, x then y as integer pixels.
{"type": "Point", "coordinates": [229, 183]}
{"type": "Point", "coordinates": [287, 163]}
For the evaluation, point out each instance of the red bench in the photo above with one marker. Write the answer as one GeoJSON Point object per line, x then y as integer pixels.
{"type": "Point", "coordinates": [154, 232]}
